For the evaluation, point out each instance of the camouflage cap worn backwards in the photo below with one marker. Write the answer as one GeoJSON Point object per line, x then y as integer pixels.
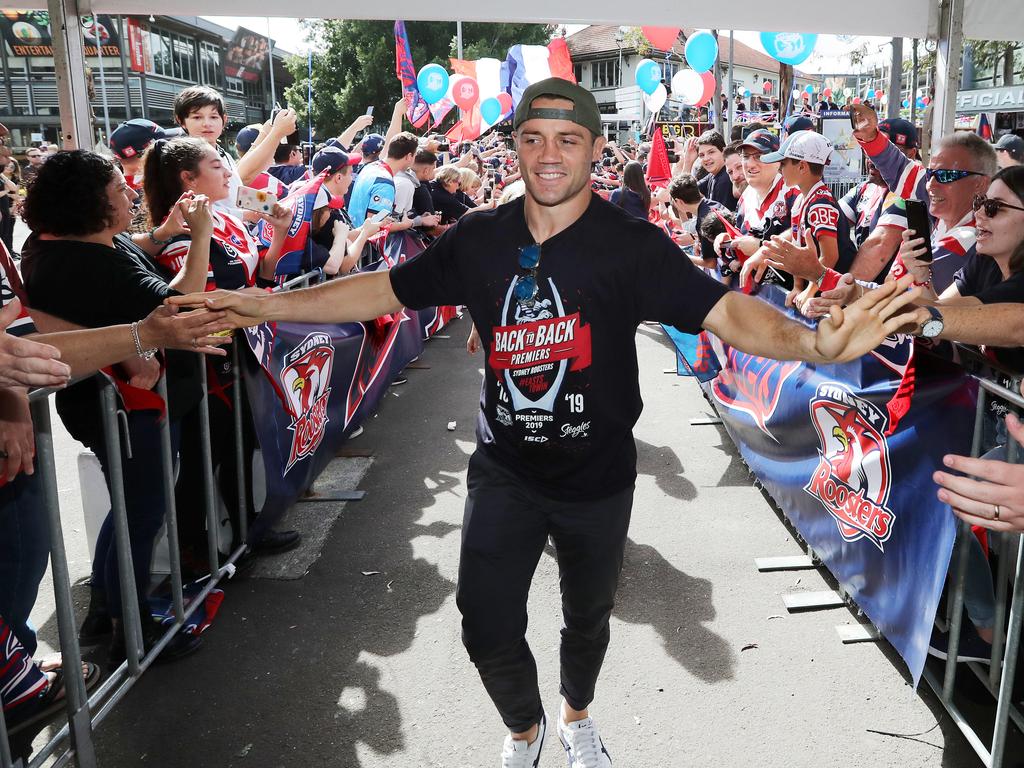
{"type": "Point", "coordinates": [584, 112]}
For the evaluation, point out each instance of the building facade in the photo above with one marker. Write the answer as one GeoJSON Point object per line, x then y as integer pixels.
{"type": "Point", "coordinates": [137, 64]}
{"type": "Point", "coordinates": [605, 63]}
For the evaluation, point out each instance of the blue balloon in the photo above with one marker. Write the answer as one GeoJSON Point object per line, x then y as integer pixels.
{"type": "Point", "coordinates": [701, 51]}
{"type": "Point", "coordinates": [490, 110]}
{"type": "Point", "coordinates": [788, 47]}
{"type": "Point", "coordinates": [433, 83]}
{"type": "Point", "coordinates": [648, 76]}
{"type": "Point", "coordinates": [920, 104]}
{"type": "Point", "coordinates": [746, 93]}
{"type": "Point", "coordinates": [906, 103]}
{"type": "Point", "coordinates": [809, 89]}
{"type": "Point", "coordinates": [871, 93]}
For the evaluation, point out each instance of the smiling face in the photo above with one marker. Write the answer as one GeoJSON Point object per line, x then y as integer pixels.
{"type": "Point", "coordinates": [205, 123]}
{"type": "Point", "coordinates": [951, 202]}
{"type": "Point", "coordinates": [212, 178]}
{"type": "Point", "coordinates": [999, 235]}
{"type": "Point", "coordinates": [734, 167]}
{"type": "Point", "coordinates": [555, 156]}
{"type": "Point", "coordinates": [711, 158]}
{"type": "Point", "coordinates": [758, 175]}
{"type": "Point", "coordinates": [122, 200]}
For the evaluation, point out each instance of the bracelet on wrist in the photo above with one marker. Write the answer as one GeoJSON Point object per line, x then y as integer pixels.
{"type": "Point", "coordinates": [145, 354]}
{"type": "Point", "coordinates": [153, 238]}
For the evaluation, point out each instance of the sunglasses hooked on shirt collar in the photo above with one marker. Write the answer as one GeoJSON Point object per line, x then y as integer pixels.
{"type": "Point", "coordinates": [526, 289]}
{"type": "Point", "coordinates": [991, 206]}
{"type": "Point", "coordinates": [949, 175]}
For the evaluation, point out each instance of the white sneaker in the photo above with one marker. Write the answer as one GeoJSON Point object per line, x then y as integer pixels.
{"type": "Point", "coordinates": [582, 744]}
{"type": "Point", "coordinates": [516, 753]}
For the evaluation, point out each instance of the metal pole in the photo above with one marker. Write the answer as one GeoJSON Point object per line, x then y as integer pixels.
{"type": "Point", "coordinates": [948, 59]}
{"type": "Point", "coordinates": [270, 61]}
{"type": "Point", "coordinates": [240, 456]}
{"type": "Point", "coordinates": [209, 495]}
{"type": "Point", "coordinates": [131, 614]}
{"type": "Point", "coordinates": [74, 685]}
{"type": "Point", "coordinates": [895, 79]}
{"type": "Point", "coordinates": [170, 505]}
{"type": "Point", "coordinates": [915, 74]}
{"type": "Point", "coordinates": [69, 69]}
{"type": "Point", "coordinates": [718, 79]}
{"type": "Point", "coordinates": [103, 77]}
{"type": "Point", "coordinates": [732, 85]}
{"type": "Point", "coordinates": [1010, 664]}
{"type": "Point", "coordinates": [956, 610]}
{"type": "Point", "coordinates": [458, 37]}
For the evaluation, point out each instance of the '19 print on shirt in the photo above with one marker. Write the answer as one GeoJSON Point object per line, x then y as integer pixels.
{"type": "Point", "coordinates": [531, 353]}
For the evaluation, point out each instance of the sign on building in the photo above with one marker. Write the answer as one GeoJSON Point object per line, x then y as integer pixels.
{"type": "Point", "coordinates": [28, 34]}
{"type": "Point", "coordinates": [1007, 99]}
{"type": "Point", "coordinates": [247, 55]}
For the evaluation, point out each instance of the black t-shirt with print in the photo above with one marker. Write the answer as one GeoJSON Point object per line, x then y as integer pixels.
{"type": "Point", "coordinates": [561, 391]}
{"type": "Point", "coordinates": [94, 286]}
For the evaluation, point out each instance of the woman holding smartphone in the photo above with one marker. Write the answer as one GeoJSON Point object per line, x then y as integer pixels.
{"type": "Point", "coordinates": [187, 165]}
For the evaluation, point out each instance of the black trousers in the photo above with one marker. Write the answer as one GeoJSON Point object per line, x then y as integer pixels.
{"type": "Point", "coordinates": [505, 529]}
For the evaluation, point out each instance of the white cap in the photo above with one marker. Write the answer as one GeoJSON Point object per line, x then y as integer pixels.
{"type": "Point", "coordinates": [810, 146]}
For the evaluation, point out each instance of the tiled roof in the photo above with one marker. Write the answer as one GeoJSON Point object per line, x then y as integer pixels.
{"type": "Point", "coordinates": [600, 38]}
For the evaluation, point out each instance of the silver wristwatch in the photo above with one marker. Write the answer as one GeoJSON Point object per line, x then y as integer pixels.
{"type": "Point", "coordinates": [933, 326]}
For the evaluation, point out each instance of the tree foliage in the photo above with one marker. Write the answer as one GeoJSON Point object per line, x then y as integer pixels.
{"type": "Point", "coordinates": [353, 63]}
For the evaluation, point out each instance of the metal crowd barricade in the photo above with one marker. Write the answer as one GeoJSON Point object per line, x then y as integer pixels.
{"type": "Point", "coordinates": [84, 712]}
{"type": "Point", "coordinates": [998, 679]}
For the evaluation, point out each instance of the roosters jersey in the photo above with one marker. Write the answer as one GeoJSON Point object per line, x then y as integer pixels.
{"type": "Point", "coordinates": [952, 250]}
{"type": "Point", "coordinates": [764, 218]}
{"type": "Point", "coordinates": [867, 206]}
{"type": "Point", "coordinates": [11, 288]}
{"type": "Point", "coordinates": [817, 216]}
{"type": "Point", "coordinates": [234, 257]}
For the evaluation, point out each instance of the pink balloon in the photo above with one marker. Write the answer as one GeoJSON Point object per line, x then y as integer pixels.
{"type": "Point", "coordinates": [767, 86]}
{"type": "Point", "coordinates": [927, 100]}
{"type": "Point", "coordinates": [465, 93]}
{"type": "Point", "coordinates": [827, 93]}
{"type": "Point", "coordinates": [856, 99]}
{"type": "Point", "coordinates": [505, 99]}
{"type": "Point", "coordinates": [879, 94]}
{"type": "Point", "coordinates": [709, 87]}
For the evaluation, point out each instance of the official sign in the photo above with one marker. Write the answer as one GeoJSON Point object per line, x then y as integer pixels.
{"type": "Point", "coordinates": [1007, 99]}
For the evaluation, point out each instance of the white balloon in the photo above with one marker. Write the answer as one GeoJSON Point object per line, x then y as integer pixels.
{"type": "Point", "coordinates": [688, 86]}
{"type": "Point", "coordinates": [656, 100]}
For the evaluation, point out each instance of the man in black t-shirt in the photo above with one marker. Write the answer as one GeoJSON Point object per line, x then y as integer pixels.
{"type": "Point", "coordinates": [557, 283]}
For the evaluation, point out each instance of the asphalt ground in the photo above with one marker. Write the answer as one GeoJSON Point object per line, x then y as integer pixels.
{"type": "Point", "coordinates": [359, 662]}
{"type": "Point", "coordinates": [353, 658]}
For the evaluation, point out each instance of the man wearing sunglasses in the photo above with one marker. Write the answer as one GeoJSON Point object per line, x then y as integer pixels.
{"type": "Point", "coordinates": [960, 167]}
{"type": "Point", "coordinates": [557, 283]}
{"type": "Point", "coordinates": [35, 162]}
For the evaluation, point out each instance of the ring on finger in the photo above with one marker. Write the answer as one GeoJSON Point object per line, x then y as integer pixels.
{"type": "Point", "coordinates": [195, 342]}
{"type": "Point", "coordinates": [995, 511]}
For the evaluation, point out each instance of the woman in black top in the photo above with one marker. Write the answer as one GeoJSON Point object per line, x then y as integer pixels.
{"type": "Point", "coordinates": [633, 195]}
{"type": "Point", "coordinates": [995, 274]}
{"type": "Point", "coordinates": [10, 182]}
{"type": "Point", "coordinates": [80, 269]}
{"type": "Point", "coordinates": [444, 191]}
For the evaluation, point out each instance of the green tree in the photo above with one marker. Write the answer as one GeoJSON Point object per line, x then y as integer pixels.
{"type": "Point", "coordinates": [354, 63]}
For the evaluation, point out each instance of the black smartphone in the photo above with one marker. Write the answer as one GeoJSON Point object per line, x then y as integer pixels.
{"type": "Point", "coordinates": [919, 221]}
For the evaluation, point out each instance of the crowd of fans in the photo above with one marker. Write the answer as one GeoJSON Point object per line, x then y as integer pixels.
{"type": "Point", "coordinates": [164, 216]}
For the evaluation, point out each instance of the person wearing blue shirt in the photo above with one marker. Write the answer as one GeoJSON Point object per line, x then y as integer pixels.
{"type": "Point", "coordinates": [374, 189]}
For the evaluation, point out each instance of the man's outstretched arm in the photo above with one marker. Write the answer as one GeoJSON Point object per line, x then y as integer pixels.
{"type": "Point", "coordinates": [755, 327]}
{"type": "Point", "coordinates": [356, 298]}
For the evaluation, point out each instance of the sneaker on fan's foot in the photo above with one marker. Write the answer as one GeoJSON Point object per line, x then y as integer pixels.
{"type": "Point", "coordinates": [517, 753]}
{"type": "Point", "coordinates": [583, 745]}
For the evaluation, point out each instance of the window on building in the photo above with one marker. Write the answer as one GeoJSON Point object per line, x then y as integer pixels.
{"type": "Point", "coordinates": [209, 63]}
{"type": "Point", "coordinates": [160, 48]}
{"type": "Point", "coordinates": [253, 93]}
{"type": "Point", "coordinates": [173, 55]}
{"type": "Point", "coordinates": [232, 85]}
{"type": "Point", "coordinates": [577, 71]}
{"type": "Point", "coordinates": [185, 58]}
{"type": "Point", "coordinates": [605, 73]}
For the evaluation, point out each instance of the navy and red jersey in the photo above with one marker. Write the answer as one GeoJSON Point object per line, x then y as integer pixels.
{"type": "Point", "coordinates": [867, 206]}
{"type": "Point", "coordinates": [817, 216]}
{"type": "Point", "coordinates": [764, 218]}
{"type": "Point", "coordinates": [11, 288]}
{"type": "Point", "coordinates": [234, 257]}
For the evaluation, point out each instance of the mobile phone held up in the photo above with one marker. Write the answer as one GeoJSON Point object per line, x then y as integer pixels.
{"type": "Point", "coordinates": [920, 223]}
{"type": "Point", "coordinates": [369, 111]}
{"type": "Point", "coordinates": [258, 200]}
{"type": "Point", "coordinates": [380, 217]}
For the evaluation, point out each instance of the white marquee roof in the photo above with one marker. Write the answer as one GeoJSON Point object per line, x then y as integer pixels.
{"type": "Point", "coordinates": [983, 19]}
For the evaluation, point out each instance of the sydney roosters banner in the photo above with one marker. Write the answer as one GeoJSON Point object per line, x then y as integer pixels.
{"type": "Point", "coordinates": [821, 441]}
{"type": "Point", "coordinates": [310, 386]}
